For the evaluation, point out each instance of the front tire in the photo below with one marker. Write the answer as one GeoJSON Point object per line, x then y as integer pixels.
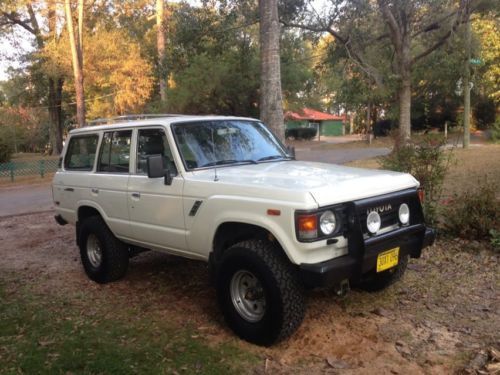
{"type": "Point", "coordinates": [259, 293]}
{"type": "Point", "coordinates": [104, 257]}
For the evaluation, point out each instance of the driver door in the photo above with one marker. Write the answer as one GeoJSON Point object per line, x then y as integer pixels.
{"type": "Point", "coordinates": [156, 209]}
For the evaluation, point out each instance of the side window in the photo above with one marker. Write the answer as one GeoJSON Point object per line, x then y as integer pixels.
{"type": "Point", "coordinates": [115, 152]}
{"type": "Point", "coordinates": [153, 142]}
{"type": "Point", "coordinates": [81, 153]}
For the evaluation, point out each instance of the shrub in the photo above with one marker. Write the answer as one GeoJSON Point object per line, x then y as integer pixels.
{"type": "Point", "coordinates": [6, 149]}
{"type": "Point", "coordinates": [474, 214]}
{"type": "Point", "coordinates": [484, 113]}
{"type": "Point", "coordinates": [427, 161]}
{"type": "Point", "coordinates": [495, 239]}
{"type": "Point", "coordinates": [495, 131]}
{"type": "Point", "coordinates": [301, 133]}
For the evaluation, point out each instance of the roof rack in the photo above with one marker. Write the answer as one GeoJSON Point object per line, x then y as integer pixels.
{"type": "Point", "coordinates": [112, 120]}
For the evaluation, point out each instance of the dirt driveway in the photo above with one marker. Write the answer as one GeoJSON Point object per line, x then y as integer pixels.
{"type": "Point", "coordinates": [422, 325]}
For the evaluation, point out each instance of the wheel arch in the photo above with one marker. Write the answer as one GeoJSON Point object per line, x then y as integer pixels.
{"type": "Point", "coordinates": [231, 232]}
{"type": "Point", "coordinates": [85, 210]}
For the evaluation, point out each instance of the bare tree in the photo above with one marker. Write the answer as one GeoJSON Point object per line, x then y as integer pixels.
{"type": "Point", "coordinates": [271, 103]}
{"type": "Point", "coordinates": [160, 45]}
{"type": "Point", "coordinates": [76, 43]}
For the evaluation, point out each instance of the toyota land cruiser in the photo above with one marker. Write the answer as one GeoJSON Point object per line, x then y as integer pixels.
{"type": "Point", "coordinates": [224, 190]}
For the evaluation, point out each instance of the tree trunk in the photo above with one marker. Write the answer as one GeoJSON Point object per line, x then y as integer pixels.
{"type": "Point", "coordinates": [404, 61]}
{"type": "Point", "coordinates": [160, 45]}
{"type": "Point", "coordinates": [77, 59]}
{"type": "Point", "coordinates": [405, 110]}
{"type": "Point", "coordinates": [351, 122]}
{"type": "Point", "coordinates": [271, 103]}
{"type": "Point", "coordinates": [55, 89]}
{"type": "Point", "coordinates": [467, 88]}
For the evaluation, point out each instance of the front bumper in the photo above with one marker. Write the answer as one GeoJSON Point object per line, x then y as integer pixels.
{"type": "Point", "coordinates": [411, 240]}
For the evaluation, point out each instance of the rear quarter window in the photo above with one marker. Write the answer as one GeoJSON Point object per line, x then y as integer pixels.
{"type": "Point", "coordinates": [81, 153]}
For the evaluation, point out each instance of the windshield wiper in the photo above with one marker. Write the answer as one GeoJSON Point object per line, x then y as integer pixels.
{"type": "Point", "coordinates": [272, 157]}
{"type": "Point", "coordinates": [228, 161]}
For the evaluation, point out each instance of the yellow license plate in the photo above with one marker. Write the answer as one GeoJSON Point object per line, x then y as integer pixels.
{"type": "Point", "coordinates": [387, 259]}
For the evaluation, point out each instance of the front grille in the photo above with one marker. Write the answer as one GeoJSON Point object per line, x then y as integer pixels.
{"type": "Point", "coordinates": [388, 206]}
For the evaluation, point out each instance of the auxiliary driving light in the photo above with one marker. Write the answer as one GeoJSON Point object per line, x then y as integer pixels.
{"type": "Point", "coordinates": [404, 214]}
{"type": "Point", "coordinates": [373, 222]}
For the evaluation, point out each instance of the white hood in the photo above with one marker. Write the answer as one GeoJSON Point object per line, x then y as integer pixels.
{"type": "Point", "coordinates": [327, 183]}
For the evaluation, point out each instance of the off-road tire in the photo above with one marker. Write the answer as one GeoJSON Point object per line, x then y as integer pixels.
{"type": "Point", "coordinates": [374, 282]}
{"type": "Point", "coordinates": [285, 303]}
{"type": "Point", "coordinates": [115, 257]}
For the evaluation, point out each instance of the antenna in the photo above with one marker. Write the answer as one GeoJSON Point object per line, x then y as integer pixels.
{"type": "Point", "coordinates": [216, 178]}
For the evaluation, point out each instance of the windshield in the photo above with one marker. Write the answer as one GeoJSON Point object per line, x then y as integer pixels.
{"type": "Point", "coordinates": [223, 142]}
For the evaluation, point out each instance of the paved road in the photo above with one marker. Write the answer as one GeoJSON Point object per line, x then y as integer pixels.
{"type": "Point", "coordinates": [35, 198]}
{"type": "Point", "coordinates": [341, 156]}
{"type": "Point", "coordinates": [25, 199]}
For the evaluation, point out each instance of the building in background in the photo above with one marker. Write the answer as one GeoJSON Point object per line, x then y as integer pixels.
{"type": "Point", "coordinates": [324, 123]}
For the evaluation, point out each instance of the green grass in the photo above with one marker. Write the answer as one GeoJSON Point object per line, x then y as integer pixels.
{"type": "Point", "coordinates": [50, 335]}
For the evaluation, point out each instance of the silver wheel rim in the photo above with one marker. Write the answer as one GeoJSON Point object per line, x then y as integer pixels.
{"type": "Point", "coordinates": [94, 251]}
{"type": "Point", "coordinates": [247, 295]}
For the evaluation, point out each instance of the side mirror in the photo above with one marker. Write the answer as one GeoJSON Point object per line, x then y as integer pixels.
{"type": "Point", "coordinates": [290, 150]}
{"type": "Point", "coordinates": [156, 169]}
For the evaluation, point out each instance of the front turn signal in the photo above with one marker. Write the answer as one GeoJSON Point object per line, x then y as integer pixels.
{"type": "Point", "coordinates": [307, 226]}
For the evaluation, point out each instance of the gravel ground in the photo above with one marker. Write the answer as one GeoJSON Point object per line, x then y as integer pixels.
{"type": "Point", "coordinates": [434, 321]}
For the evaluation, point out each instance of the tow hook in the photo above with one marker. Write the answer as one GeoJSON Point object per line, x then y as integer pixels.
{"type": "Point", "coordinates": [343, 288]}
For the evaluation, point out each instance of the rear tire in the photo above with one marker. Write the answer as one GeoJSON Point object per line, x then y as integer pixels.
{"type": "Point", "coordinates": [104, 257]}
{"type": "Point", "coordinates": [374, 282]}
{"type": "Point", "coordinates": [259, 292]}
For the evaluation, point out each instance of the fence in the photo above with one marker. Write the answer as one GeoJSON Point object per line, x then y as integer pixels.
{"type": "Point", "coordinates": [28, 168]}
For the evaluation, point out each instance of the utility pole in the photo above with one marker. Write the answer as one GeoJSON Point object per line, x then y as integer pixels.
{"type": "Point", "coordinates": [467, 83]}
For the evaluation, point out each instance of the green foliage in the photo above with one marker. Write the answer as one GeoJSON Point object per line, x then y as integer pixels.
{"type": "Point", "coordinates": [428, 162]}
{"type": "Point", "coordinates": [495, 131]}
{"type": "Point", "coordinates": [6, 148]}
{"type": "Point", "coordinates": [484, 113]}
{"type": "Point", "coordinates": [495, 239]}
{"type": "Point", "coordinates": [474, 214]}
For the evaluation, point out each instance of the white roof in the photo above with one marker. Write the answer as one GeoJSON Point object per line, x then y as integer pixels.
{"type": "Point", "coordinates": [167, 120]}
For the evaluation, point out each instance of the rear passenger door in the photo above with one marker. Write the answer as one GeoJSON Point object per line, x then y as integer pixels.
{"type": "Point", "coordinates": [109, 183]}
{"type": "Point", "coordinates": [156, 209]}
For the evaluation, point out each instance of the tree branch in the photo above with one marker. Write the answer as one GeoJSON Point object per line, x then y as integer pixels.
{"type": "Point", "coordinates": [35, 26]}
{"type": "Point", "coordinates": [396, 33]}
{"type": "Point", "coordinates": [353, 55]}
{"type": "Point", "coordinates": [458, 21]}
{"type": "Point", "coordinates": [14, 19]}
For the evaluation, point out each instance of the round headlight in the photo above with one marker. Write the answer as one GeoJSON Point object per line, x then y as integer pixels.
{"type": "Point", "coordinates": [404, 214]}
{"type": "Point", "coordinates": [373, 222]}
{"type": "Point", "coordinates": [327, 222]}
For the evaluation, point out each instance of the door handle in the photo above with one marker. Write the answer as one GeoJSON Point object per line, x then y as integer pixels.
{"type": "Point", "coordinates": [94, 191]}
{"type": "Point", "coordinates": [69, 189]}
{"type": "Point", "coordinates": [136, 195]}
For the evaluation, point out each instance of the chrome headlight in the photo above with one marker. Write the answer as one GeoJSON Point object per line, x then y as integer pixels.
{"type": "Point", "coordinates": [327, 222]}
{"type": "Point", "coordinates": [373, 222]}
{"type": "Point", "coordinates": [404, 214]}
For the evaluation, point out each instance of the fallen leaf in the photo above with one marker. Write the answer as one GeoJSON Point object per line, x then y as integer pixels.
{"type": "Point", "coordinates": [337, 363]}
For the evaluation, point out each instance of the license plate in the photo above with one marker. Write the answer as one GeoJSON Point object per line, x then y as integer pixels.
{"type": "Point", "coordinates": [387, 259]}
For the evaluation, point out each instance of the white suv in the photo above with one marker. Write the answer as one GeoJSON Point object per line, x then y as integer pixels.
{"type": "Point", "coordinates": [224, 190]}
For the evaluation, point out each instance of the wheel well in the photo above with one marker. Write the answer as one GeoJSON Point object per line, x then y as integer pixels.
{"type": "Point", "coordinates": [83, 213]}
{"type": "Point", "coordinates": [230, 233]}
{"type": "Point", "coordinates": [86, 211]}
